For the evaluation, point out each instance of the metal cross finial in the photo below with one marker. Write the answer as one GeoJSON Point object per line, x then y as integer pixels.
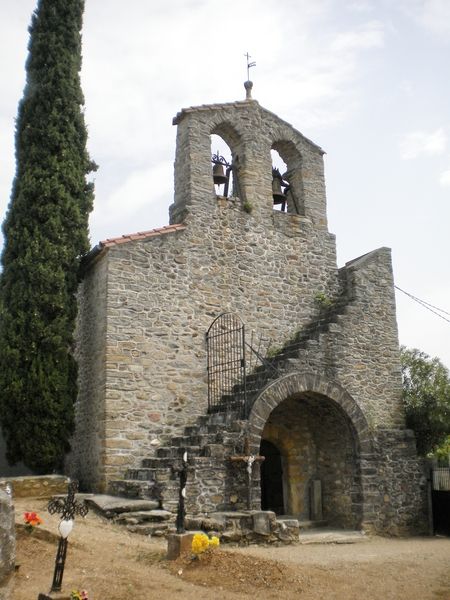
{"type": "Point", "coordinates": [68, 507]}
{"type": "Point", "coordinates": [249, 65]}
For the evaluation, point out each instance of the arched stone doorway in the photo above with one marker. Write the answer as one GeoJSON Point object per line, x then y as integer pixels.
{"type": "Point", "coordinates": [319, 432]}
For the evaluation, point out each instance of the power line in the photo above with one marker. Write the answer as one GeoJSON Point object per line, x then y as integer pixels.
{"type": "Point", "coordinates": [426, 305]}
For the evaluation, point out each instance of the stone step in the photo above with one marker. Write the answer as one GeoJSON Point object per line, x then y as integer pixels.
{"type": "Point", "coordinates": [200, 440]}
{"type": "Point", "coordinates": [142, 474]}
{"type": "Point", "coordinates": [202, 429]}
{"type": "Point", "coordinates": [183, 441]}
{"type": "Point", "coordinates": [156, 462]}
{"type": "Point", "coordinates": [143, 516]}
{"type": "Point", "coordinates": [111, 506]}
{"type": "Point", "coordinates": [222, 419]}
{"type": "Point", "coordinates": [176, 452]}
{"type": "Point", "coordinates": [152, 529]}
{"type": "Point", "coordinates": [332, 536]}
{"type": "Point", "coordinates": [293, 364]}
{"type": "Point", "coordinates": [310, 524]}
{"type": "Point", "coordinates": [137, 489]}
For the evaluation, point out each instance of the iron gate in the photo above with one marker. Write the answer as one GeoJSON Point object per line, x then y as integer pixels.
{"type": "Point", "coordinates": [225, 343]}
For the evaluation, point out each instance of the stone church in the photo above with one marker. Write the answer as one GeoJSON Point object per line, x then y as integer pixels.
{"type": "Point", "coordinates": [231, 334]}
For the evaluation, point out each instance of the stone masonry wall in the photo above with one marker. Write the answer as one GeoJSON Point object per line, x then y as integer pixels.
{"type": "Point", "coordinates": [360, 350]}
{"type": "Point", "coordinates": [402, 503]}
{"type": "Point", "coordinates": [86, 461]}
{"type": "Point", "coordinates": [164, 294]}
{"type": "Point", "coordinates": [146, 304]}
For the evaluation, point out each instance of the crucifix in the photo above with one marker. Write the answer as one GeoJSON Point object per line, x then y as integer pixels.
{"type": "Point", "coordinates": [249, 460]}
{"type": "Point", "coordinates": [68, 507]}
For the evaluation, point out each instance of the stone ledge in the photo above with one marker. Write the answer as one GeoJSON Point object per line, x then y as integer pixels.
{"type": "Point", "coordinates": [36, 486]}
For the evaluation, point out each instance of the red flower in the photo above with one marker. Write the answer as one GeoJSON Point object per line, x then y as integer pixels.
{"type": "Point", "coordinates": [32, 519]}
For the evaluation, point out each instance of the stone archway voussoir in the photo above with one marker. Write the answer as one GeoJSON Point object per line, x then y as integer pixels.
{"type": "Point", "coordinates": [294, 383]}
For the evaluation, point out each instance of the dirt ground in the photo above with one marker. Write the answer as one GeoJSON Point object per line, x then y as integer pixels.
{"type": "Point", "coordinates": [109, 562]}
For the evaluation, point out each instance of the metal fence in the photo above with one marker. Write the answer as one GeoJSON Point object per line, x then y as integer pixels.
{"type": "Point", "coordinates": [441, 479]}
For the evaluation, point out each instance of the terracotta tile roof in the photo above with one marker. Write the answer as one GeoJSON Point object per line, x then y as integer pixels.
{"type": "Point", "coordinates": [141, 235]}
{"type": "Point", "coordinates": [99, 249]}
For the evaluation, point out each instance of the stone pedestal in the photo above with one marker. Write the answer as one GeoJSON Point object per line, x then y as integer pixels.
{"type": "Point", "coordinates": [178, 544]}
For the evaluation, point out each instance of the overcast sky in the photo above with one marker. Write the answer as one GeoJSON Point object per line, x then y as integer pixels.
{"type": "Point", "coordinates": [367, 80]}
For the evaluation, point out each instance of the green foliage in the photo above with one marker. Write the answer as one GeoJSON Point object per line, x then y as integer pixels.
{"type": "Point", "coordinates": [323, 301]}
{"type": "Point", "coordinates": [274, 351]}
{"type": "Point", "coordinates": [426, 394]}
{"type": "Point", "coordinates": [442, 452]}
{"type": "Point", "coordinates": [248, 207]}
{"type": "Point", "coordinates": [46, 232]}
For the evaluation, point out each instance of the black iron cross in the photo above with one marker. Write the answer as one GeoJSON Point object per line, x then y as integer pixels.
{"type": "Point", "coordinates": [68, 507]}
{"type": "Point", "coordinates": [181, 512]}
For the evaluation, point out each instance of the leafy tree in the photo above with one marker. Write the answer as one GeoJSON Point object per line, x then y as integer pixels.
{"type": "Point", "coordinates": [426, 393]}
{"type": "Point", "coordinates": [46, 232]}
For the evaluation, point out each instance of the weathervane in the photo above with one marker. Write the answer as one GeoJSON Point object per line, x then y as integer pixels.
{"type": "Point", "coordinates": [248, 84]}
{"type": "Point", "coordinates": [249, 65]}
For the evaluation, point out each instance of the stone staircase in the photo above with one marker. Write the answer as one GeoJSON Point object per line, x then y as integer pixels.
{"type": "Point", "coordinates": [207, 442]}
{"type": "Point", "coordinates": [216, 436]}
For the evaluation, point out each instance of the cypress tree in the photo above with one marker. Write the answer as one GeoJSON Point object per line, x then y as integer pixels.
{"type": "Point", "coordinates": [46, 232]}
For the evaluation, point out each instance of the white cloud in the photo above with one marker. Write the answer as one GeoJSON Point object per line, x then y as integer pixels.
{"type": "Point", "coordinates": [432, 15]}
{"type": "Point", "coordinates": [360, 6]}
{"type": "Point", "coordinates": [444, 179]}
{"type": "Point", "coordinates": [371, 35]}
{"type": "Point", "coordinates": [422, 143]}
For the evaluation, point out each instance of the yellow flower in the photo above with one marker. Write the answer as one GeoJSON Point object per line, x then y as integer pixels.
{"type": "Point", "coordinates": [200, 543]}
{"type": "Point", "coordinates": [214, 541]}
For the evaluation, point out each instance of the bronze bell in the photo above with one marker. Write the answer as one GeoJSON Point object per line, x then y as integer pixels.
{"type": "Point", "coordinates": [219, 176]}
{"type": "Point", "coordinates": [277, 192]}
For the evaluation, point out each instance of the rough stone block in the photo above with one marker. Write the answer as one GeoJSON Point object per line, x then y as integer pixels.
{"type": "Point", "coordinates": [179, 544]}
{"type": "Point", "coordinates": [7, 542]}
{"type": "Point", "coordinates": [261, 523]}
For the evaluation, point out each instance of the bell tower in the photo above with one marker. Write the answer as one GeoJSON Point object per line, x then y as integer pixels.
{"type": "Point", "coordinates": [251, 132]}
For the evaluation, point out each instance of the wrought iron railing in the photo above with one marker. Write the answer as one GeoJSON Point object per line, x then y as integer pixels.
{"type": "Point", "coordinates": [225, 343]}
{"type": "Point", "coordinates": [237, 369]}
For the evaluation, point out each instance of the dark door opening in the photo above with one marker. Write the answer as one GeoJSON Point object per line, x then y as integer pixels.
{"type": "Point", "coordinates": [271, 478]}
{"type": "Point", "coordinates": [441, 512]}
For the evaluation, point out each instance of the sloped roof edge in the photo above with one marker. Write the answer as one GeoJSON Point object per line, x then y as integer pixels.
{"type": "Point", "coordinates": [131, 237]}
